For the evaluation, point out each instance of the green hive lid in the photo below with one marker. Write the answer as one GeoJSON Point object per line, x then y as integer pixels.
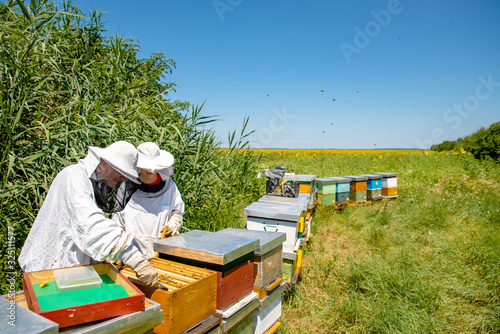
{"type": "Point", "coordinates": [332, 180]}
{"type": "Point", "coordinates": [388, 175]}
{"type": "Point", "coordinates": [278, 211]}
{"type": "Point", "coordinates": [357, 178]}
{"type": "Point", "coordinates": [268, 240]}
{"type": "Point", "coordinates": [373, 176]}
{"type": "Point", "coordinates": [207, 246]}
{"type": "Point", "coordinates": [285, 200]}
{"type": "Point", "coordinates": [300, 177]}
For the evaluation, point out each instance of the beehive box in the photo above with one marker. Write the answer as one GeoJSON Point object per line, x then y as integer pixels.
{"type": "Point", "coordinates": [190, 298]}
{"type": "Point", "coordinates": [117, 296]}
{"type": "Point", "coordinates": [374, 181]}
{"type": "Point", "coordinates": [326, 199]}
{"type": "Point", "coordinates": [356, 196]}
{"type": "Point", "coordinates": [306, 182]}
{"type": "Point", "coordinates": [230, 256]}
{"type": "Point", "coordinates": [267, 258]}
{"type": "Point", "coordinates": [343, 185]}
{"type": "Point", "coordinates": [342, 197]}
{"type": "Point", "coordinates": [389, 185]}
{"type": "Point", "coordinates": [374, 194]}
{"type": "Point", "coordinates": [269, 311]}
{"type": "Point", "coordinates": [289, 265]}
{"type": "Point", "coordinates": [326, 185]}
{"type": "Point", "coordinates": [271, 217]}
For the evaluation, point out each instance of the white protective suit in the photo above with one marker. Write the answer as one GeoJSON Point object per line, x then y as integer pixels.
{"type": "Point", "coordinates": [70, 229]}
{"type": "Point", "coordinates": [147, 213]}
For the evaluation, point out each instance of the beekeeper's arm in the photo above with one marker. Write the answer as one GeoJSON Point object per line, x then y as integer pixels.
{"type": "Point", "coordinates": [174, 223]}
{"type": "Point", "coordinates": [99, 237]}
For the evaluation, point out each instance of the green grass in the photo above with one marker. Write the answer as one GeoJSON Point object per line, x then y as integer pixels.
{"type": "Point", "coordinates": [428, 262]}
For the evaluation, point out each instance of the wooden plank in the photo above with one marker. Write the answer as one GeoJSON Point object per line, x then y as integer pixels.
{"type": "Point", "coordinates": [207, 324]}
{"type": "Point", "coordinates": [268, 289]}
{"type": "Point", "coordinates": [274, 328]}
{"type": "Point", "coordinates": [389, 191]}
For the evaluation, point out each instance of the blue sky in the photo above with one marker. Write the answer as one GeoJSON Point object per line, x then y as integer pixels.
{"type": "Point", "coordinates": [326, 74]}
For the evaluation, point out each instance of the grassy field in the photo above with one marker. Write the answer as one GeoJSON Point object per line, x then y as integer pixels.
{"type": "Point", "coordinates": [427, 262]}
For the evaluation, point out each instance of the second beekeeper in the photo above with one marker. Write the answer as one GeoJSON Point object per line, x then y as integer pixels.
{"type": "Point", "coordinates": [157, 204]}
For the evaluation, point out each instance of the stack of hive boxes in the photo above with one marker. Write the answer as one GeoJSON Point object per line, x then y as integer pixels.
{"type": "Point", "coordinates": [286, 218]}
{"type": "Point", "coordinates": [268, 281]}
{"type": "Point", "coordinates": [373, 187]}
{"type": "Point", "coordinates": [357, 188]}
{"type": "Point", "coordinates": [231, 257]}
{"type": "Point", "coordinates": [326, 191]}
{"type": "Point", "coordinates": [389, 185]}
{"type": "Point", "coordinates": [343, 189]}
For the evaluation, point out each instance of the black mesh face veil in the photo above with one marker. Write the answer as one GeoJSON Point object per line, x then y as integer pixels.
{"type": "Point", "coordinates": [113, 199]}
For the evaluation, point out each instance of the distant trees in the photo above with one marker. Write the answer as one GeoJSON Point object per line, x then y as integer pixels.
{"type": "Point", "coordinates": [483, 144]}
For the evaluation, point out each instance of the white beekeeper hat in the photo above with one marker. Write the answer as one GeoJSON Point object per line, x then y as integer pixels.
{"type": "Point", "coordinates": [122, 156]}
{"type": "Point", "coordinates": [152, 159]}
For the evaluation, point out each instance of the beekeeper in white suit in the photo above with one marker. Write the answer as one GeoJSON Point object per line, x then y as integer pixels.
{"type": "Point", "coordinates": [71, 227]}
{"type": "Point", "coordinates": [156, 204]}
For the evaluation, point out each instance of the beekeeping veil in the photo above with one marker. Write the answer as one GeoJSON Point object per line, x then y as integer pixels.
{"type": "Point", "coordinates": [119, 157]}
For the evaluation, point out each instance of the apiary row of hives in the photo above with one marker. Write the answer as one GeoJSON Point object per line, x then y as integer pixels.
{"type": "Point", "coordinates": [355, 189]}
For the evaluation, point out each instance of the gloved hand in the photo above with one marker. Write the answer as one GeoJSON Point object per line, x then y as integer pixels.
{"type": "Point", "coordinates": [174, 225]}
{"type": "Point", "coordinates": [145, 272]}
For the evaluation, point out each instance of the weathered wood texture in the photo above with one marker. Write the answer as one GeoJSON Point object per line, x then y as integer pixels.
{"type": "Point", "coordinates": [191, 296]}
{"type": "Point", "coordinates": [85, 313]}
{"type": "Point", "coordinates": [267, 267]}
{"type": "Point", "coordinates": [342, 197]}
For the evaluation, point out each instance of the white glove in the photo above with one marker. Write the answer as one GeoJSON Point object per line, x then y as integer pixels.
{"type": "Point", "coordinates": [174, 225]}
{"type": "Point", "coordinates": [145, 272]}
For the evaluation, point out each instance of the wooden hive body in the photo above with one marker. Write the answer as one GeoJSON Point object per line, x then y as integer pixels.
{"type": "Point", "coordinates": [326, 199]}
{"type": "Point", "coordinates": [230, 256]}
{"type": "Point", "coordinates": [269, 311]}
{"type": "Point", "coordinates": [374, 194]}
{"type": "Point", "coordinates": [79, 314]}
{"type": "Point", "coordinates": [191, 296]}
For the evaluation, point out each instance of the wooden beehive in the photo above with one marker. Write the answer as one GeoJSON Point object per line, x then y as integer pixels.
{"type": "Point", "coordinates": [191, 296]}
{"type": "Point", "coordinates": [326, 185]}
{"type": "Point", "coordinates": [374, 194]}
{"type": "Point", "coordinates": [230, 256]}
{"type": "Point", "coordinates": [267, 258]}
{"type": "Point", "coordinates": [373, 182]}
{"type": "Point", "coordinates": [306, 182]}
{"type": "Point", "coordinates": [342, 197]}
{"type": "Point", "coordinates": [117, 296]}
{"type": "Point", "coordinates": [326, 199]}
{"type": "Point", "coordinates": [389, 185]}
{"type": "Point", "coordinates": [277, 217]}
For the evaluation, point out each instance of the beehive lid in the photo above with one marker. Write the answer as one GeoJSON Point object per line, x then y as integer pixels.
{"type": "Point", "coordinates": [388, 175]}
{"type": "Point", "coordinates": [373, 176]}
{"type": "Point", "coordinates": [276, 211]}
{"type": "Point", "coordinates": [356, 178]}
{"type": "Point", "coordinates": [268, 240]}
{"type": "Point", "coordinates": [332, 180]}
{"type": "Point", "coordinates": [300, 177]}
{"type": "Point", "coordinates": [285, 200]}
{"type": "Point", "coordinates": [207, 246]}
